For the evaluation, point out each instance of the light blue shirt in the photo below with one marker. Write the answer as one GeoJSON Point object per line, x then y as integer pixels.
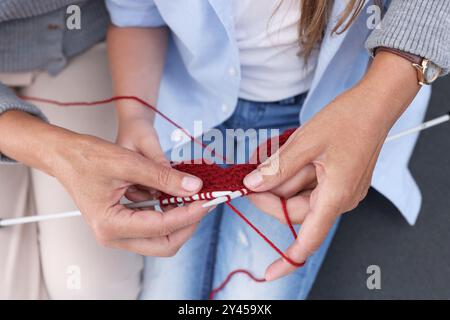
{"type": "Point", "coordinates": [202, 77]}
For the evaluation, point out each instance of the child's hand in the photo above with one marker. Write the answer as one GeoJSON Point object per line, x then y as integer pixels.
{"type": "Point", "coordinates": [138, 134]}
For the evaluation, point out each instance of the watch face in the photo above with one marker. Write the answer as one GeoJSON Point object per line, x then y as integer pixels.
{"type": "Point", "coordinates": [431, 72]}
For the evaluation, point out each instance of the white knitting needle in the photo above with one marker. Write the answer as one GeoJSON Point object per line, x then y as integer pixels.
{"type": "Point", "coordinates": [233, 195]}
{"type": "Point", "coordinates": [31, 219]}
{"type": "Point", "coordinates": [421, 127]}
{"type": "Point", "coordinates": [133, 205]}
{"type": "Point", "coordinates": [195, 197]}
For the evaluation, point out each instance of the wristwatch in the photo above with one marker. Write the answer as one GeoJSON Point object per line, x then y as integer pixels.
{"type": "Point", "coordinates": [427, 71]}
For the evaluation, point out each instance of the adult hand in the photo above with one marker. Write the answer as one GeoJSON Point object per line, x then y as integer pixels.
{"type": "Point", "coordinates": [326, 166]}
{"type": "Point", "coordinates": [97, 173]}
{"type": "Point", "coordinates": [323, 170]}
{"type": "Point", "coordinates": [97, 176]}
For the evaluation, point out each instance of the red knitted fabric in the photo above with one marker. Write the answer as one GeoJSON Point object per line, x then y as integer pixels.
{"type": "Point", "coordinates": [216, 178]}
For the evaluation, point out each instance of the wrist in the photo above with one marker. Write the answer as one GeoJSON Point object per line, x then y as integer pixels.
{"type": "Point", "coordinates": [389, 87]}
{"type": "Point", "coordinates": [132, 110]}
{"type": "Point", "coordinates": [33, 142]}
{"type": "Point", "coordinates": [132, 132]}
{"type": "Point", "coordinates": [65, 150]}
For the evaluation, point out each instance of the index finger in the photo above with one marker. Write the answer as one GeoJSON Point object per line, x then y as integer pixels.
{"type": "Point", "coordinates": [281, 166]}
{"type": "Point", "coordinates": [318, 222]}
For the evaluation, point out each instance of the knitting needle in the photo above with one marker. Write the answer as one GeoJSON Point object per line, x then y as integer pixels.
{"type": "Point", "coordinates": [195, 197]}
{"type": "Point", "coordinates": [233, 195]}
{"type": "Point", "coordinates": [133, 205]}
{"type": "Point", "coordinates": [419, 128]}
{"type": "Point", "coordinates": [32, 219]}
{"type": "Point", "coordinates": [143, 204]}
{"type": "Point", "coordinates": [25, 220]}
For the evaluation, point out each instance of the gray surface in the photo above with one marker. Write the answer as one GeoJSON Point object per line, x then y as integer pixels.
{"type": "Point", "coordinates": [414, 261]}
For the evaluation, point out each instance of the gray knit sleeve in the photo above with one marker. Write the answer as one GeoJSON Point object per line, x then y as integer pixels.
{"type": "Point", "coordinates": [9, 101]}
{"type": "Point", "coordinates": [420, 27]}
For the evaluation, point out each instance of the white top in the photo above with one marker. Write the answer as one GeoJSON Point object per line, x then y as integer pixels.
{"type": "Point", "coordinates": [267, 37]}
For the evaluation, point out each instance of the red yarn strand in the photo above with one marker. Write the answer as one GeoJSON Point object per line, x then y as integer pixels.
{"type": "Point", "coordinates": [229, 277]}
{"type": "Point", "coordinates": [118, 98]}
{"type": "Point", "coordinates": [286, 216]}
{"type": "Point", "coordinates": [246, 272]}
{"type": "Point", "coordinates": [267, 240]}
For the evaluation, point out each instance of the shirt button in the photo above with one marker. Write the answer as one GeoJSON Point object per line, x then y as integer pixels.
{"type": "Point", "coordinates": [225, 107]}
{"type": "Point", "coordinates": [232, 72]}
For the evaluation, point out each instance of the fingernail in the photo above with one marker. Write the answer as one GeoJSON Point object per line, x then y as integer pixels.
{"type": "Point", "coordinates": [254, 179]}
{"type": "Point", "coordinates": [276, 270]}
{"type": "Point", "coordinates": [191, 184]}
{"type": "Point", "coordinates": [211, 209]}
{"type": "Point", "coordinates": [269, 275]}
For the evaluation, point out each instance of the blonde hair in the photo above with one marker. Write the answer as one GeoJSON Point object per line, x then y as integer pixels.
{"type": "Point", "coordinates": [314, 19]}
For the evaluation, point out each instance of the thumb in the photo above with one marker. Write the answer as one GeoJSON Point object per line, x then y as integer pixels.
{"type": "Point", "coordinates": [155, 172]}
{"type": "Point", "coordinates": [289, 160]}
{"type": "Point", "coordinates": [162, 177]}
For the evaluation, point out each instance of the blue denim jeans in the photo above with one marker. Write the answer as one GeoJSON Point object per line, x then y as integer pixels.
{"type": "Point", "coordinates": [223, 242]}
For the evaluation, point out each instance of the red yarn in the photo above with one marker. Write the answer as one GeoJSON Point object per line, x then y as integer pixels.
{"type": "Point", "coordinates": [228, 278]}
{"type": "Point", "coordinates": [286, 216]}
{"type": "Point", "coordinates": [214, 177]}
{"type": "Point", "coordinates": [246, 272]}
{"type": "Point", "coordinates": [112, 99]}
{"type": "Point", "coordinates": [270, 243]}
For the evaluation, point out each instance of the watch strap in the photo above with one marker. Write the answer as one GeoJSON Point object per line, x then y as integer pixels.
{"type": "Point", "coordinates": [408, 56]}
